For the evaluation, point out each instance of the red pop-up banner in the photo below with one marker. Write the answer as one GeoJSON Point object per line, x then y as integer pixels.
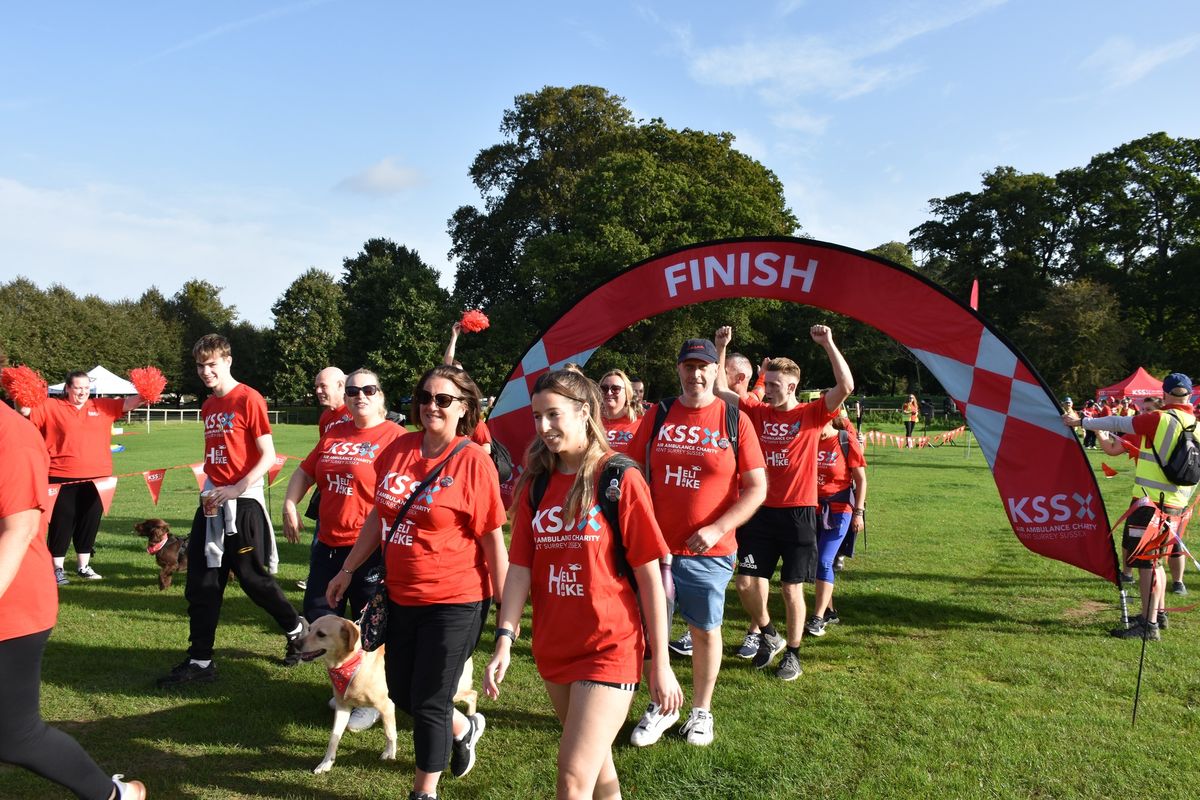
{"type": "Point", "coordinates": [198, 471]}
{"type": "Point", "coordinates": [107, 487]}
{"type": "Point", "coordinates": [154, 479]}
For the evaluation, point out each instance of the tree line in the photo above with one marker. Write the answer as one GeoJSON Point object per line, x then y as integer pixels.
{"type": "Point", "coordinates": [1090, 272]}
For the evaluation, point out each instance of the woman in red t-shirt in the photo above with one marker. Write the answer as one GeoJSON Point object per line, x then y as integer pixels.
{"type": "Point", "coordinates": [620, 413]}
{"type": "Point", "coordinates": [842, 500]}
{"type": "Point", "coordinates": [28, 610]}
{"type": "Point", "coordinates": [445, 562]}
{"type": "Point", "coordinates": [588, 644]}
{"type": "Point", "coordinates": [343, 466]}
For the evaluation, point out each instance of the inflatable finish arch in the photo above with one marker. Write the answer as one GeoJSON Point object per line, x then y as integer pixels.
{"type": "Point", "coordinates": [1046, 484]}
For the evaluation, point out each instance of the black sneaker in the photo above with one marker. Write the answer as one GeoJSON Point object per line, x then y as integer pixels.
{"type": "Point", "coordinates": [188, 672]}
{"type": "Point", "coordinates": [462, 751]}
{"type": "Point", "coordinates": [831, 616]}
{"type": "Point", "coordinates": [1178, 588]}
{"type": "Point", "coordinates": [1126, 577]}
{"type": "Point", "coordinates": [768, 647]}
{"type": "Point", "coordinates": [294, 653]}
{"type": "Point", "coordinates": [815, 626]}
{"type": "Point", "coordinates": [421, 796]}
{"type": "Point", "coordinates": [1138, 630]}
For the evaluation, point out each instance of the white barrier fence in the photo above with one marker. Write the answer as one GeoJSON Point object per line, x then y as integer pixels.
{"type": "Point", "coordinates": [145, 415]}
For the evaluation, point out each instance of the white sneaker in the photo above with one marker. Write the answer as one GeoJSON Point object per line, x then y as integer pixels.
{"type": "Point", "coordinates": [128, 790]}
{"type": "Point", "coordinates": [699, 728]}
{"type": "Point", "coordinates": [362, 718]}
{"type": "Point", "coordinates": [652, 726]}
{"type": "Point", "coordinates": [88, 574]}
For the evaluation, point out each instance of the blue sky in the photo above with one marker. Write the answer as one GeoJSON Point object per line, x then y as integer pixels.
{"type": "Point", "coordinates": [244, 142]}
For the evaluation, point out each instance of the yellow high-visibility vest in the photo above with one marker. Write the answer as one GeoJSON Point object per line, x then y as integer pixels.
{"type": "Point", "coordinates": [1148, 475]}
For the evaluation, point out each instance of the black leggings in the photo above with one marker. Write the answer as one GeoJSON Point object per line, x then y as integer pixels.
{"type": "Point", "coordinates": [324, 563]}
{"type": "Point", "coordinates": [245, 556]}
{"type": "Point", "coordinates": [427, 647]}
{"type": "Point", "coordinates": [76, 518]}
{"type": "Point", "coordinates": [27, 741]}
{"type": "Point", "coordinates": [908, 428]}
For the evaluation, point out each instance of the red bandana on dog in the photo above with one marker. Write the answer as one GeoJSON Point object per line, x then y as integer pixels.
{"type": "Point", "coordinates": [341, 676]}
{"type": "Point", "coordinates": [154, 548]}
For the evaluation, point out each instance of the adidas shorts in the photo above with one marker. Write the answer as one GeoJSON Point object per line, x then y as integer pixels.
{"type": "Point", "coordinates": [779, 534]}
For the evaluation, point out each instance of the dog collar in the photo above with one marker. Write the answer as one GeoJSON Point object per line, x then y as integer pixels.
{"type": "Point", "coordinates": [341, 676]}
{"type": "Point", "coordinates": [154, 548]}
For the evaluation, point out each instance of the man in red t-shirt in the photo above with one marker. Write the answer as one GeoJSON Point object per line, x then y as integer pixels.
{"type": "Point", "coordinates": [329, 387]}
{"type": "Point", "coordinates": [231, 531]}
{"type": "Point", "coordinates": [785, 527]}
{"type": "Point", "coordinates": [703, 490]}
{"type": "Point", "coordinates": [77, 429]}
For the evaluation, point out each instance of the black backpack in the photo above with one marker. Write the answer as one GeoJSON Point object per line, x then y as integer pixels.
{"type": "Point", "coordinates": [663, 407]}
{"type": "Point", "coordinates": [1182, 466]}
{"type": "Point", "coordinates": [610, 478]}
{"type": "Point", "coordinates": [503, 461]}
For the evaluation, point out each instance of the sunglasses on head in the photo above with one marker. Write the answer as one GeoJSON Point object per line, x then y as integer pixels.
{"type": "Point", "coordinates": [424, 398]}
{"type": "Point", "coordinates": [369, 390]}
{"type": "Point", "coordinates": [611, 388]}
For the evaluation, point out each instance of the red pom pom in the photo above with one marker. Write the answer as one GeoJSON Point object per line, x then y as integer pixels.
{"type": "Point", "coordinates": [149, 382]}
{"type": "Point", "coordinates": [25, 386]}
{"type": "Point", "coordinates": [474, 321]}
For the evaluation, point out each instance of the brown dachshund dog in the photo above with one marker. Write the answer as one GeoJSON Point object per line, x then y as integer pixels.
{"type": "Point", "coordinates": [168, 550]}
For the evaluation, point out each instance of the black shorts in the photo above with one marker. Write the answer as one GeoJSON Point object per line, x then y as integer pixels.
{"type": "Point", "coordinates": [773, 534]}
{"type": "Point", "coordinates": [1136, 523]}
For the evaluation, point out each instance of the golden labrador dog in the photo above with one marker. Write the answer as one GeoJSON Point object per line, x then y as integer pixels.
{"type": "Point", "coordinates": [358, 681]}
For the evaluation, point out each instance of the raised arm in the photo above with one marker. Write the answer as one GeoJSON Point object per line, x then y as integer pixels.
{"type": "Point", "coordinates": [448, 356]}
{"type": "Point", "coordinates": [721, 388]}
{"type": "Point", "coordinates": [843, 381]}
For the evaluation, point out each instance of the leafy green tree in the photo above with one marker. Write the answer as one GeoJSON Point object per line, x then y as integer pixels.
{"type": "Point", "coordinates": [307, 333]}
{"type": "Point", "coordinates": [579, 191]}
{"type": "Point", "coordinates": [198, 309]}
{"type": "Point", "coordinates": [1076, 339]}
{"type": "Point", "coordinates": [396, 317]}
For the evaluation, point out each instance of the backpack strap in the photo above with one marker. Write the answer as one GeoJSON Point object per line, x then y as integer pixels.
{"type": "Point", "coordinates": [608, 495]}
{"type": "Point", "coordinates": [844, 441]}
{"type": "Point", "coordinates": [537, 490]}
{"type": "Point", "coordinates": [661, 409]}
{"type": "Point", "coordinates": [731, 433]}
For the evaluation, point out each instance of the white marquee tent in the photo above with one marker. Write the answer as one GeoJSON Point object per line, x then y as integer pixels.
{"type": "Point", "coordinates": [103, 382]}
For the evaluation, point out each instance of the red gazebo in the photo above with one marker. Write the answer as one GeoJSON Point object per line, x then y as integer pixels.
{"type": "Point", "coordinates": [1139, 384]}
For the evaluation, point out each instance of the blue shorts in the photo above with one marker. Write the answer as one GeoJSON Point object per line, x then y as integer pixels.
{"type": "Point", "coordinates": [700, 583]}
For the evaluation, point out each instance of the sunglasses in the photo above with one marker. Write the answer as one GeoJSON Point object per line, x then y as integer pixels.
{"type": "Point", "coordinates": [424, 398]}
{"type": "Point", "coordinates": [370, 390]}
{"type": "Point", "coordinates": [611, 388]}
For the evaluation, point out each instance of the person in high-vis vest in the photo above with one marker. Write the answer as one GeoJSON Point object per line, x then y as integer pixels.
{"type": "Point", "coordinates": [1157, 433]}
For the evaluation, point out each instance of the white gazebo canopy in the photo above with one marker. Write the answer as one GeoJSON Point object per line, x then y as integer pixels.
{"type": "Point", "coordinates": [103, 382]}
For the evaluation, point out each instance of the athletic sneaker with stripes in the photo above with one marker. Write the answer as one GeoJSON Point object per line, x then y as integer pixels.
{"type": "Point", "coordinates": [652, 726]}
{"type": "Point", "coordinates": [699, 728]}
{"type": "Point", "coordinates": [749, 645]}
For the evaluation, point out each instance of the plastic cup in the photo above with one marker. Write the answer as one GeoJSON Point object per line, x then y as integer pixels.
{"type": "Point", "coordinates": [208, 502]}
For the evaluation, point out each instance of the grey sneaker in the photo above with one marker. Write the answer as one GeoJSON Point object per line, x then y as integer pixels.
{"type": "Point", "coordinates": [362, 718]}
{"type": "Point", "coordinates": [815, 626]}
{"type": "Point", "coordinates": [831, 616]}
{"type": "Point", "coordinates": [60, 576]}
{"type": "Point", "coordinates": [89, 574]}
{"type": "Point", "coordinates": [1178, 588]}
{"type": "Point", "coordinates": [462, 751]}
{"type": "Point", "coordinates": [681, 646]}
{"type": "Point", "coordinates": [768, 648]}
{"type": "Point", "coordinates": [789, 667]}
{"type": "Point", "coordinates": [1162, 620]}
{"type": "Point", "coordinates": [1137, 630]}
{"type": "Point", "coordinates": [749, 645]}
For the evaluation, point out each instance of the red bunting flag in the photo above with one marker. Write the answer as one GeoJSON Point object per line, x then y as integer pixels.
{"type": "Point", "coordinates": [274, 471]}
{"type": "Point", "coordinates": [51, 499]}
{"type": "Point", "coordinates": [975, 294]}
{"type": "Point", "coordinates": [198, 471]}
{"type": "Point", "coordinates": [1109, 472]}
{"type": "Point", "coordinates": [154, 479]}
{"type": "Point", "coordinates": [106, 487]}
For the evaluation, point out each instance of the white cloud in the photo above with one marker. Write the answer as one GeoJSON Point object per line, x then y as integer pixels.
{"type": "Point", "coordinates": [381, 178]}
{"type": "Point", "coordinates": [1124, 63]}
{"type": "Point", "coordinates": [801, 121]}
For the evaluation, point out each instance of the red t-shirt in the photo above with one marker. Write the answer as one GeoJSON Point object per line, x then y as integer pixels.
{"type": "Point", "coordinates": [789, 443]}
{"type": "Point", "coordinates": [434, 554]}
{"type": "Point", "coordinates": [78, 439]}
{"type": "Point", "coordinates": [343, 467]}
{"type": "Point", "coordinates": [481, 435]}
{"type": "Point", "coordinates": [691, 466]}
{"type": "Point", "coordinates": [621, 432]}
{"type": "Point", "coordinates": [331, 417]}
{"type": "Point", "coordinates": [232, 426]}
{"type": "Point", "coordinates": [585, 615]}
{"type": "Point", "coordinates": [833, 469]}
{"type": "Point", "coordinates": [30, 604]}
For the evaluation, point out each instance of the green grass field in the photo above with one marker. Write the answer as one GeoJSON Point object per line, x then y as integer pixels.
{"type": "Point", "coordinates": [965, 667]}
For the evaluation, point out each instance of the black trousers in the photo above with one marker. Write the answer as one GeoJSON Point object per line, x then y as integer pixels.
{"type": "Point", "coordinates": [324, 563]}
{"type": "Point", "coordinates": [427, 647]}
{"type": "Point", "coordinates": [76, 518]}
{"type": "Point", "coordinates": [27, 741]}
{"type": "Point", "coordinates": [246, 557]}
